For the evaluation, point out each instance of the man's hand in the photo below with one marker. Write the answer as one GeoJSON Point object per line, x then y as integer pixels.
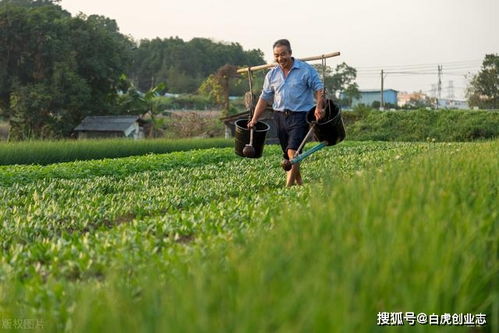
{"type": "Point", "coordinates": [259, 109]}
{"type": "Point", "coordinates": [319, 107]}
{"type": "Point", "coordinates": [319, 112]}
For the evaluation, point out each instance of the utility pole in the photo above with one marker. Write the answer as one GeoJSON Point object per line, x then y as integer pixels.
{"type": "Point", "coordinates": [439, 86]}
{"type": "Point", "coordinates": [382, 104]}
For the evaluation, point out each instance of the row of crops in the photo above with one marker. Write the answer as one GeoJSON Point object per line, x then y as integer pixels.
{"type": "Point", "coordinates": [94, 208]}
{"type": "Point", "coordinates": [83, 239]}
{"type": "Point", "coordinates": [47, 152]}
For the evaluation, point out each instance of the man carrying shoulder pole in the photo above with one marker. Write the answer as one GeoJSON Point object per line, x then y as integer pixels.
{"type": "Point", "coordinates": [291, 87]}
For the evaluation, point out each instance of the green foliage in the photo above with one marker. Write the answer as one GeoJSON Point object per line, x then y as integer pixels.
{"type": "Point", "coordinates": [484, 87]}
{"type": "Point", "coordinates": [133, 102]}
{"type": "Point", "coordinates": [213, 90]}
{"type": "Point", "coordinates": [48, 109]}
{"type": "Point", "coordinates": [47, 152]}
{"type": "Point", "coordinates": [387, 106]}
{"type": "Point", "coordinates": [56, 69]}
{"type": "Point", "coordinates": [340, 83]}
{"type": "Point", "coordinates": [376, 104]}
{"type": "Point", "coordinates": [185, 102]}
{"type": "Point", "coordinates": [195, 240]}
{"type": "Point", "coordinates": [216, 87]}
{"type": "Point", "coordinates": [185, 65]}
{"type": "Point", "coordinates": [418, 125]}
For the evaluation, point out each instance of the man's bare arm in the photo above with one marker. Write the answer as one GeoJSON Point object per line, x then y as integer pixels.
{"type": "Point", "coordinates": [259, 108]}
{"type": "Point", "coordinates": [319, 110]}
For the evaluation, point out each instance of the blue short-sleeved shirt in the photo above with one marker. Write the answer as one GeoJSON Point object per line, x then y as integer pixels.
{"type": "Point", "coordinates": [296, 92]}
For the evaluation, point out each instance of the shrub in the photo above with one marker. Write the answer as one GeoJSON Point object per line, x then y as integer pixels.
{"type": "Point", "coordinates": [418, 125]}
{"type": "Point", "coordinates": [193, 124]}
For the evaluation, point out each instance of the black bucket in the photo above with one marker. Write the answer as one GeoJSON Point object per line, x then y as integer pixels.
{"type": "Point", "coordinates": [330, 128]}
{"type": "Point", "coordinates": [243, 137]}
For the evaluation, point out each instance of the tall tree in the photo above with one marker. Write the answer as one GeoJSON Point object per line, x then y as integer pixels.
{"type": "Point", "coordinates": [483, 90]}
{"type": "Point", "coordinates": [56, 69]}
{"type": "Point", "coordinates": [29, 40]}
{"type": "Point", "coordinates": [340, 82]}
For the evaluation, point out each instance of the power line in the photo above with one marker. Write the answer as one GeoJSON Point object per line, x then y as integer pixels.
{"type": "Point", "coordinates": [453, 69]}
{"type": "Point", "coordinates": [427, 65]}
{"type": "Point", "coordinates": [447, 68]}
{"type": "Point", "coordinates": [444, 72]}
{"type": "Point", "coordinates": [418, 70]}
{"type": "Point", "coordinates": [412, 73]}
{"type": "Point", "coordinates": [459, 69]}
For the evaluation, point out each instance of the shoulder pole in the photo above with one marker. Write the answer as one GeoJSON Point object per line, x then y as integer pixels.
{"type": "Point", "coordinates": [260, 67]}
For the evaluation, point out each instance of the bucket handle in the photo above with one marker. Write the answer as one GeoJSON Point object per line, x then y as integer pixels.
{"type": "Point", "coordinates": [252, 106]}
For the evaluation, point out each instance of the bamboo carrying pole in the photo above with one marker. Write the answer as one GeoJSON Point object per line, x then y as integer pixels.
{"type": "Point", "coordinates": [256, 68]}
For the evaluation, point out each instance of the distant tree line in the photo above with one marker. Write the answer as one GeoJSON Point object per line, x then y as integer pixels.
{"type": "Point", "coordinates": [183, 66]}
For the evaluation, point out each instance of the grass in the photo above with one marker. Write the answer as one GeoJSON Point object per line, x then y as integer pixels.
{"type": "Point", "coordinates": [379, 227]}
{"type": "Point", "coordinates": [417, 125]}
{"type": "Point", "coordinates": [47, 152]}
{"type": "Point", "coordinates": [420, 125]}
{"type": "Point", "coordinates": [410, 237]}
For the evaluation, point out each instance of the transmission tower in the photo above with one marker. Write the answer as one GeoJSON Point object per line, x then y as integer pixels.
{"type": "Point", "coordinates": [450, 90]}
{"type": "Point", "coordinates": [439, 88]}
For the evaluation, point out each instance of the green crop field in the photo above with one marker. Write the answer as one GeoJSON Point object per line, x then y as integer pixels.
{"type": "Point", "coordinates": [48, 152]}
{"type": "Point", "coordinates": [205, 241]}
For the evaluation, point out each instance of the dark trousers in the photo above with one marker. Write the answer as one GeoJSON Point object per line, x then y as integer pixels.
{"type": "Point", "coordinates": [292, 127]}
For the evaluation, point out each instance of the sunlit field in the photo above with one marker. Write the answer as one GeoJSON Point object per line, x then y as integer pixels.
{"type": "Point", "coordinates": [207, 241]}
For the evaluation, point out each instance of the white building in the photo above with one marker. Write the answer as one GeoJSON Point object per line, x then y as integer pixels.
{"type": "Point", "coordinates": [452, 104]}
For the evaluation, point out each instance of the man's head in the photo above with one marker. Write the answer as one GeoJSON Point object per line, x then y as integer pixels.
{"type": "Point", "coordinates": [282, 53]}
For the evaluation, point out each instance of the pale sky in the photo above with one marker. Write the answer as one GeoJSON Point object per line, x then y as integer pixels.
{"type": "Point", "coordinates": [414, 36]}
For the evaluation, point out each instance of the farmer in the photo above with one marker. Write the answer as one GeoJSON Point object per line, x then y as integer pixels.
{"type": "Point", "coordinates": [291, 87]}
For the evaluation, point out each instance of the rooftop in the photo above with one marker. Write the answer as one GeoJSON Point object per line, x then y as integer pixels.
{"type": "Point", "coordinates": [107, 123]}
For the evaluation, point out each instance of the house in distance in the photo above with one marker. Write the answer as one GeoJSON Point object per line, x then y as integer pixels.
{"type": "Point", "coordinates": [367, 97]}
{"type": "Point", "coordinates": [98, 127]}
